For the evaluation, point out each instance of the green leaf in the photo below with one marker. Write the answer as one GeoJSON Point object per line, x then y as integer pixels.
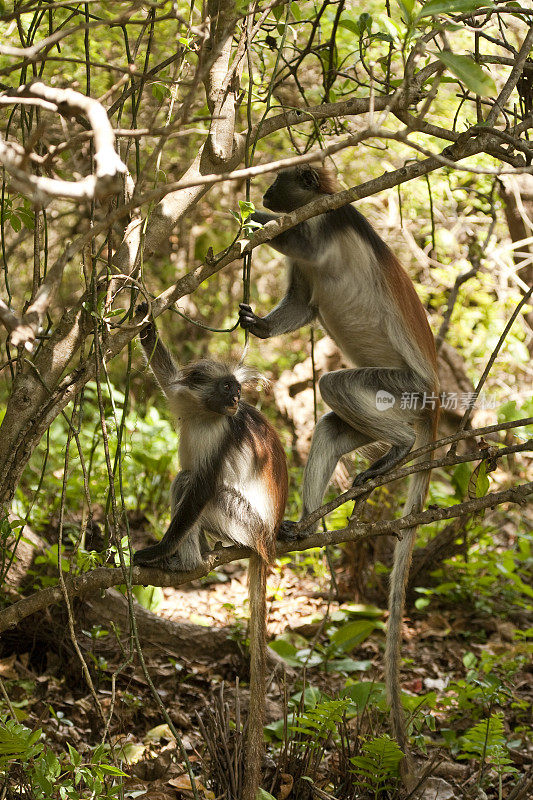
{"type": "Point", "coordinates": [155, 735]}
{"type": "Point", "coordinates": [365, 610]}
{"type": "Point", "coordinates": [18, 742]}
{"type": "Point", "coordinates": [396, 31]}
{"type": "Point", "coordinates": [246, 208]}
{"type": "Point", "coordinates": [482, 481]}
{"type": "Point", "coordinates": [435, 7]}
{"type": "Point", "coordinates": [27, 218]}
{"type": "Point", "coordinates": [286, 650]}
{"type": "Point", "coordinates": [364, 692]}
{"type": "Point", "coordinates": [364, 22]}
{"type": "Point", "coordinates": [406, 6]}
{"type": "Point", "coordinates": [469, 73]}
{"type": "Point", "coordinates": [159, 91]}
{"type": "Point", "coordinates": [461, 479]}
{"type": "Point", "coordinates": [469, 660]}
{"type": "Point", "coordinates": [352, 634]}
{"type": "Point", "coordinates": [311, 697]}
{"type": "Point", "coordinates": [382, 37]}
{"type": "Point", "coordinates": [275, 730]}
{"type": "Point", "coordinates": [385, 751]}
{"type": "Point", "coordinates": [350, 25]}
{"type": "Point", "coordinates": [150, 597]}
{"type": "Point", "coordinates": [109, 769]}
{"type": "Point", "coordinates": [508, 412]}
{"type": "Point", "coordinates": [347, 665]}
{"type": "Point", "coordinates": [75, 757]}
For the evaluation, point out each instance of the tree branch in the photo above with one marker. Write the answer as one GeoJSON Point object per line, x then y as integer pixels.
{"type": "Point", "coordinates": [109, 167]}
{"type": "Point", "coordinates": [449, 460]}
{"type": "Point", "coordinates": [107, 179]}
{"type": "Point", "coordinates": [513, 78]}
{"type": "Point", "coordinates": [104, 578]}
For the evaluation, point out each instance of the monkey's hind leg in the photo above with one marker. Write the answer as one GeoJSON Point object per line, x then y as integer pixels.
{"type": "Point", "coordinates": [189, 554]}
{"type": "Point", "coordinates": [177, 489]}
{"type": "Point", "coordinates": [369, 400]}
{"type": "Point", "coordinates": [332, 438]}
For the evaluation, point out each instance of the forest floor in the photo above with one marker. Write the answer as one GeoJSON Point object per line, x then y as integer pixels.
{"type": "Point", "coordinates": [465, 666]}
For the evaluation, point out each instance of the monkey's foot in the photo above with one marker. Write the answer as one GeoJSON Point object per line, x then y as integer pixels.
{"type": "Point", "coordinates": [165, 563]}
{"type": "Point", "coordinates": [143, 558]}
{"type": "Point", "coordinates": [383, 464]}
{"type": "Point", "coordinates": [363, 477]}
{"type": "Point", "coordinates": [151, 556]}
{"type": "Point", "coordinates": [176, 564]}
{"type": "Point", "coordinates": [286, 532]}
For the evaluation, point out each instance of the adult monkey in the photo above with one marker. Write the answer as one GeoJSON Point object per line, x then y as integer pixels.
{"type": "Point", "coordinates": [233, 484]}
{"type": "Point", "coordinates": [343, 274]}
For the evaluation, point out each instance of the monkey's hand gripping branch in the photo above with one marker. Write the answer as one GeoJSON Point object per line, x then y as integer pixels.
{"type": "Point", "coordinates": [148, 333]}
{"type": "Point", "coordinates": [251, 322]}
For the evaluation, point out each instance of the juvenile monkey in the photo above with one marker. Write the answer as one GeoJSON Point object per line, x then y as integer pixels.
{"type": "Point", "coordinates": [343, 274]}
{"type": "Point", "coordinates": [232, 485]}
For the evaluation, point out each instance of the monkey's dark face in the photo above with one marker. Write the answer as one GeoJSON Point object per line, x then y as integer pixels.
{"type": "Point", "coordinates": [219, 394]}
{"type": "Point", "coordinates": [224, 396]}
{"type": "Point", "coordinates": [213, 387]}
{"type": "Point", "coordinates": [291, 189]}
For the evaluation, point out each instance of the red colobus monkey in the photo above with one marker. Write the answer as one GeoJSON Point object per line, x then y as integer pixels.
{"type": "Point", "coordinates": [343, 274]}
{"type": "Point", "coordinates": [232, 485]}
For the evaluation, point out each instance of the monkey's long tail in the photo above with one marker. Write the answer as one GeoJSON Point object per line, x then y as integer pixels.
{"type": "Point", "coordinates": [416, 496]}
{"type": "Point", "coordinates": [257, 574]}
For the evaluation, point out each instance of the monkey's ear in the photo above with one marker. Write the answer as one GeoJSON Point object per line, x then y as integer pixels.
{"type": "Point", "coordinates": [246, 375]}
{"type": "Point", "coordinates": [310, 178]}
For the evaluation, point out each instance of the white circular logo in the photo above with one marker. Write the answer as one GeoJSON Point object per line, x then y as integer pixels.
{"type": "Point", "coordinates": [384, 400]}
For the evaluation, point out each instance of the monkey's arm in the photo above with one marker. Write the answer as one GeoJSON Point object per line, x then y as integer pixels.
{"type": "Point", "coordinates": [299, 242]}
{"type": "Point", "coordinates": [294, 311]}
{"type": "Point", "coordinates": [157, 355]}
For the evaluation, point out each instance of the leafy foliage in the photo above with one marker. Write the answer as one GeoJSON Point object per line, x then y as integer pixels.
{"type": "Point", "coordinates": [18, 742]}
{"type": "Point", "coordinates": [57, 777]}
{"type": "Point", "coordinates": [320, 721]}
{"type": "Point", "coordinates": [344, 636]}
{"type": "Point", "coordinates": [378, 766]}
{"type": "Point", "coordinates": [487, 577]}
{"type": "Point", "coordinates": [485, 741]}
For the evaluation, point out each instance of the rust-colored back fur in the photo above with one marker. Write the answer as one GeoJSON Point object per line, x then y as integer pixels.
{"type": "Point", "coordinates": [272, 463]}
{"type": "Point", "coordinates": [405, 298]}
